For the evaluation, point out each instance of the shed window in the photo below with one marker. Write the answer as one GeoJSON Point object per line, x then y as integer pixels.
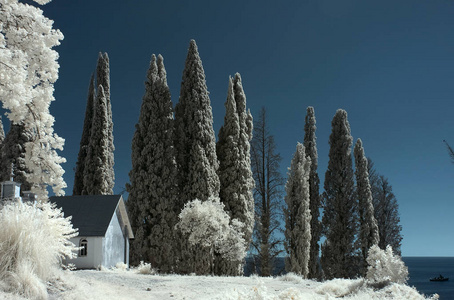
{"type": "Point", "coordinates": [83, 247]}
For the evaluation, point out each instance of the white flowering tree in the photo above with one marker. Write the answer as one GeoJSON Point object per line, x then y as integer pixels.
{"type": "Point", "coordinates": [28, 70]}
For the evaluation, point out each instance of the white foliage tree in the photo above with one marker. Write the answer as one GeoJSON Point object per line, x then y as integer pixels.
{"type": "Point", "coordinates": [368, 228]}
{"type": "Point", "coordinates": [297, 214]}
{"type": "Point", "coordinates": [28, 70]}
{"type": "Point", "coordinates": [207, 224]}
{"type": "Point", "coordinates": [385, 267]}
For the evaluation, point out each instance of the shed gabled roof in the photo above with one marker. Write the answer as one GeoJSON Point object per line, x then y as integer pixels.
{"type": "Point", "coordinates": [92, 214]}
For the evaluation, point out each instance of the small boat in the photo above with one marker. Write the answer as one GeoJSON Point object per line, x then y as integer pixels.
{"type": "Point", "coordinates": [439, 278]}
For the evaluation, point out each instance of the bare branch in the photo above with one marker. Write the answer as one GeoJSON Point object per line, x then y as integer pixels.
{"type": "Point", "coordinates": [450, 151]}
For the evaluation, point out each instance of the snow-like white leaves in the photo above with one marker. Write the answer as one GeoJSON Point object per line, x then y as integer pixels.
{"type": "Point", "coordinates": [28, 70]}
{"type": "Point", "coordinates": [207, 224]}
{"type": "Point", "coordinates": [42, 2]}
{"type": "Point", "coordinates": [385, 267]}
{"type": "Point", "coordinates": [33, 240]}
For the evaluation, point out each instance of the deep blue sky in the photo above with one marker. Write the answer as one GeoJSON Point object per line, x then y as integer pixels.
{"type": "Point", "coordinates": [389, 63]}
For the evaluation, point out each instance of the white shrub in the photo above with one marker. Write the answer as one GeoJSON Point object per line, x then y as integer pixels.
{"type": "Point", "coordinates": [291, 277]}
{"type": "Point", "coordinates": [121, 266]}
{"type": "Point", "coordinates": [33, 240]}
{"type": "Point", "coordinates": [339, 288]}
{"type": "Point", "coordinates": [207, 224]}
{"type": "Point", "coordinates": [385, 267]}
{"type": "Point", "coordinates": [145, 268]}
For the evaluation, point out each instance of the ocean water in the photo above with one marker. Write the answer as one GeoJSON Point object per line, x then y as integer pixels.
{"type": "Point", "coordinates": [421, 269]}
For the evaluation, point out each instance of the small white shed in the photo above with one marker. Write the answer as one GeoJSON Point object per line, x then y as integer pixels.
{"type": "Point", "coordinates": [104, 229]}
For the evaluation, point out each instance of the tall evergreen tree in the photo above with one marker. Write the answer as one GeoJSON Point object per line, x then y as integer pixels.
{"type": "Point", "coordinates": [195, 138]}
{"type": "Point", "coordinates": [96, 177]}
{"type": "Point", "coordinates": [13, 156]}
{"type": "Point", "coordinates": [368, 229]}
{"type": "Point", "coordinates": [297, 214]}
{"type": "Point", "coordinates": [310, 144]}
{"type": "Point", "coordinates": [195, 143]}
{"type": "Point", "coordinates": [228, 153]}
{"type": "Point", "coordinates": [103, 79]}
{"type": "Point", "coordinates": [235, 175]}
{"type": "Point", "coordinates": [267, 195]}
{"type": "Point", "coordinates": [247, 178]}
{"type": "Point", "coordinates": [339, 218]}
{"type": "Point", "coordinates": [153, 188]}
{"type": "Point", "coordinates": [84, 140]}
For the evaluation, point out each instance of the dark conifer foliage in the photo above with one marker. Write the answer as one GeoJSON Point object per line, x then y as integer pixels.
{"type": "Point", "coordinates": [85, 139]}
{"type": "Point", "coordinates": [310, 144]}
{"type": "Point", "coordinates": [13, 156]}
{"type": "Point", "coordinates": [340, 217]}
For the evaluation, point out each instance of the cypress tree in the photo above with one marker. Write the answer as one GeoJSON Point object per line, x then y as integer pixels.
{"type": "Point", "coordinates": [84, 140]}
{"type": "Point", "coordinates": [103, 79]}
{"type": "Point", "coordinates": [138, 200]}
{"type": "Point", "coordinates": [247, 182]}
{"type": "Point", "coordinates": [235, 175]}
{"type": "Point", "coordinates": [310, 144]}
{"type": "Point", "coordinates": [13, 155]}
{"type": "Point", "coordinates": [196, 148]}
{"type": "Point", "coordinates": [153, 188]}
{"type": "Point", "coordinates": [339, 218]}
{"type": "Point", "coordinates": [195, 138]}
{"type": "Point", "coordinates": [228, 152]}
{"type": "Point", "coordinates": [96, 177]}
{"type": "Point", "coordinates": [297, 214]}
{"type": "Point", "coordinates": [368, 229]}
